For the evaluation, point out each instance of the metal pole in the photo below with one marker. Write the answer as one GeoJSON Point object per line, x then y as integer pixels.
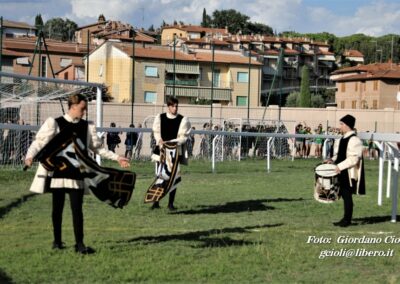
{"type": "Point", "coordinates": [99, 116]}
{"type": "Point", "coordinates": [133, 75]}
{"type": "Point", "coordinates": [212, 79]}
{"type": "Point", "coordinates": [87, 56]}
{"type": "Point", "coordinates": [1, 42]}
{"type": "Point", "coordinates": [173, 86]}
{"type": "Point", "coordinates": [248, 87]}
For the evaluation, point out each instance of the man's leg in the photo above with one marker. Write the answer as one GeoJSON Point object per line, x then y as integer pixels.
{"type": "Point", "coordinates": [58, 196]}
{"type": "Point", "coordinates": [171, 200]}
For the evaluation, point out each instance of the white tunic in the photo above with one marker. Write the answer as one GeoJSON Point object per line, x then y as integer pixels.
{"type": "Point", "coordinates": [49, 129]}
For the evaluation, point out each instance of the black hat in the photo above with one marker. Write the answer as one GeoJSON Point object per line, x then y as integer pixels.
{"type": "Point", "coordinates": [349, 120]}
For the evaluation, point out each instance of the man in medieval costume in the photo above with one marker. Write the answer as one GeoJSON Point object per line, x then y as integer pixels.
{"type": "Point", "coordinates": [350, 167]}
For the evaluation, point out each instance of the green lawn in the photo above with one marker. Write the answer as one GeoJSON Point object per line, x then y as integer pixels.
{"type": "Point", "coordinates": [238, 225]}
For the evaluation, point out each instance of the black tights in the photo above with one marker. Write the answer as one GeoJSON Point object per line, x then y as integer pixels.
{"type": "Point", "coordinates": [348, 203]}
{"type": "Point", "coordinates": [76, 200]}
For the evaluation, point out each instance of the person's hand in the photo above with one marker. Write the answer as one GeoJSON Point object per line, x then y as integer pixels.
{"type": "Point", "coordinates": [161, 142]}
{"type": "Point", "coordinates": [123, 162]}
{"type": "Point", "coordinates": [328, 161]}
{"type": "Point", "coordinates": [28, 162]}
{"type": "Point", "coordinates": [337, 170]}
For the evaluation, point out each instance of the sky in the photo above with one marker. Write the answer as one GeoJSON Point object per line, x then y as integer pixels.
{"type": "Point", "coordinates": [339, 17]}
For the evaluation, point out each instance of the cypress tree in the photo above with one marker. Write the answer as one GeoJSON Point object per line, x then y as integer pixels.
{"type": "Point", "coordinates": [305, 94]}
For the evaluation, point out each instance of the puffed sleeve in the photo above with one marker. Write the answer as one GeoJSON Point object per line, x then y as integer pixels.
{"type": "Point", "coordinates": [46, 132]}
{"type": "Point", "coordinates": [183, 132]}
{"type": "Point", "coordinates": [157, 128]}
{"type": "Point", "coordinates": [95, 144]}
{"type": "Point", "coordinates": [353, 153]}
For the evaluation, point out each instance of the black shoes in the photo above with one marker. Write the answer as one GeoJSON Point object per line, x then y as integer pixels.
{"type": "Point", "coordinates": [155, 205]}
{"type": "Point", "coordinates": [58, 245]}
{"type": "Point", "coordinates": [82, 249]}
{"type": "Point", "coordinates": [171, 207]}
{"type": "Point", "coordinates": [342, 223]}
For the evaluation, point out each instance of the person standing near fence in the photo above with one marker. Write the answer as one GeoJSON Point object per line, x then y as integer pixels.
{"type": "Point", "coordinates": [71, 182]}
{"type": "Point", "coordinates": [171, 126]}
{"type": "Point", "coordinates": [113, 139]}
{"type": "Point", "coordinates": [130, 142]}
{"type": "Point", "coordinates": [350, 167]}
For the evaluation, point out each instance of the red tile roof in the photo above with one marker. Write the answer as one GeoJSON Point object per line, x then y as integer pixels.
{"type": "Point", "coordinates": [353, 53]}
{"type": "Point", "coordinates": [371, 68]}
{"type": "Point", "coordinates": [19, 25]}
{"type": "Point", "coordinates": [387, 74]}
{"type": "Point", "coordinates": [205, 41]}
{"type": "Point", "coordinates": [27, 45]}
{"type": "Point", "coordinates": [202, 56]}
{"type": "Point", "coordinates": [196, 29]}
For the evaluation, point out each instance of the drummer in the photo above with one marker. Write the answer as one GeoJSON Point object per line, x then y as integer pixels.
{"type": "Point", "coordinates": [347, 156]}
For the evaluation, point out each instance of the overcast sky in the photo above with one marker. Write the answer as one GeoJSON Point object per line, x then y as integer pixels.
{"type": "Point", "coordinates": [340, 17]}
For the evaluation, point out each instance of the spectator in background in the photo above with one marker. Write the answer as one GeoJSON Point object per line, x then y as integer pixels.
{"type": "Point", "coordinates": [319, 141]}
{"type": "Point", "coordinates": [308, 142]}
{"type": "Point", "coordinates": [139, 143]}
{"type": "Point", "coordinates": [113, 139]}
{"type": "Point", "coordinates": [130, 142]}
{"type": "Point", "coordinates": [190, 143]}
{"type": "Point", "coordinates": [299, 141]}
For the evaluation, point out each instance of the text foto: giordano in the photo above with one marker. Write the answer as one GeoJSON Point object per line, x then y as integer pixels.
{"type": "Point", "coordinates": [368, 240]}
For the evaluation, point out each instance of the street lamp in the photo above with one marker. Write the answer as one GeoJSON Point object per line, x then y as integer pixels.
{"type": "Point", "coordinates": [212, 77]}
{"type": "Point", "coordinates": [133, 74]}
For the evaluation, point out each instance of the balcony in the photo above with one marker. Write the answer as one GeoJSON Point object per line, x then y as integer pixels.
{"type": "Point", "coordinates": [219, 94]}
{"type": "Point", "coordinates": [182, 82]}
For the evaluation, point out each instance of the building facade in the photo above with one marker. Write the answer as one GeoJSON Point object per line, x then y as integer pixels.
{"type": "Point", "coordinates": [188, 75]}
{"type": "Point", "coordinates": [373, 86]}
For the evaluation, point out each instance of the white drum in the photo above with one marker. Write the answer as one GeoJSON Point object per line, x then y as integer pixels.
{"type": "Point", "coordinates": [326, 188]}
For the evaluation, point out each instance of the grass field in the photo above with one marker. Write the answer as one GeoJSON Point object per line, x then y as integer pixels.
{"type": "Point", "coordinates": [238, 225]}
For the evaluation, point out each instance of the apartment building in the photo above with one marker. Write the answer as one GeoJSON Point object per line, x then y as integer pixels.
{"type": "Point", "coordinates": [104, 30]}
{"type": "Point", "coordinates": [23, 55]}
{"type": "Point", "coordinates": [372, 86]}
{"type": "Point", "coordinates": [188, 74]}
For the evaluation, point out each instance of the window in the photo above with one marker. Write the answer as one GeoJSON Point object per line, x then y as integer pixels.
{"type": "Point", "coordinates": [342, 104]}
{"type": "Point", "coordinates": [343, 87]}
{"type": "Point", "coordinates": [151, 71]}
{"type": "Point", "coordinates": [241, 101]}
{"type": "Point", "coordinates": [243, 77]}
{"type": "Point", "coordinates": [353, 104]}
{"type": "Point", "coordinates": [217, 77]}
{"type": "Point", "coordinates": [66, 76]}
{"type": "Point", "coordinates": [376, 85]}
{"type": "Point", "coordinates": [150, 97]}
{"type": "Point", "coordinates": [356, 86]}
{"type": "Point", "coordinates": [64, 62]}
{"type": "Point", "coordinates": [374, 104]}
{"type": "Point", "coordinates": [43, 72]}
{"type": "Point", "coordinates": [23, 61]}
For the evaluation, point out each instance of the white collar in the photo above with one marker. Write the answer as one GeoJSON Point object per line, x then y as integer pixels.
{"type": "Point", "coordinates": [70, 119]}
{"type": "Point", "coordinates": [348, 134]}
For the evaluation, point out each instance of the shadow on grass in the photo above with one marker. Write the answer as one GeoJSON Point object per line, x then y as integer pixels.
{"type": "Point", "coordinates": [374, 219]}
{"type": "Point", "coordinates": [4, 210]}
{"type": "Point", "coordinates": [209, 238]}
{"type": "Point", "coordinates": [4, 279]}
{"type": "Point", "coordinates": [237, 206]}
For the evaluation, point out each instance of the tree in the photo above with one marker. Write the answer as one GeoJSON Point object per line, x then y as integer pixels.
{"type": "Point", "coordinates": [317, 101]}
{"type": "Point", "coordinates": [305, 94]}
{"type": "Point", "coordinates": [292, 99]}
{"type": "Point", "coordinates": [60, 29]}
{"type": "Point", "coordinates": [206, 19]}
{"type": "Point", "coordinates": [258, 28]}
{"type": "Point", "coordinates": [232, 19]}
{"type": "Point", "coordinates": [38, 23]}
{"type": "Point", "coordinates": [151, 28]}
